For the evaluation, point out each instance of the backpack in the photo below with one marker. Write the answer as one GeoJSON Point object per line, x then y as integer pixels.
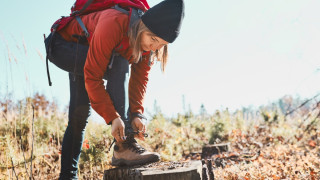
{"type": "Point", "coordinates": [71, 56]}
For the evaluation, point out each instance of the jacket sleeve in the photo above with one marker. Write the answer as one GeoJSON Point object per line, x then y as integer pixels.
{"type": "Point", "coordinates": [138, 84]}
{"type": "Point", "coordinates": [108, 33]}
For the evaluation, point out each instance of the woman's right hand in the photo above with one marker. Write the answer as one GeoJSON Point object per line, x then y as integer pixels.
{"type": "Point", "coordinates": [117, 130]}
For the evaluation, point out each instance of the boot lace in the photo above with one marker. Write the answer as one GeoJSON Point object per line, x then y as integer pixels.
{"type": "Point", "coordinates": [131, 143]}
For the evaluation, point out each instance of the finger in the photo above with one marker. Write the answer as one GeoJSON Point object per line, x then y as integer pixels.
{"type": "Point", "coordinates": [121, 130]}
{"type": "Point", "coordinates": [138, 136]}
{"type": "Point", "coordinates": [144, 129]}
{"type": "Point", "coordinates": [141, 136]}
{"type": "Point", "coordinates": [116, 136]}
{"type": "Point", "coordinates": [133, 125]}
{"type": "Point", "coordinates": [139, 126]}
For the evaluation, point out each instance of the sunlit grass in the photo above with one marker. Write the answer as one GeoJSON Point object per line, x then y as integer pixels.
{"type": "Point", "coordinates": [174, 138]}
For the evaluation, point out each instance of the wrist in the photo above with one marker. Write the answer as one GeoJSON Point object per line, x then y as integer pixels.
{"type": "Point", "coordinates": [110, 116]}
{"type": "Point", "coordinates": [113, 121]}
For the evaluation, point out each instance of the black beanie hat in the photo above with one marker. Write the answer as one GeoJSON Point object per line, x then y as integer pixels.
{"type": "Point", "coordinates": [165, 18]}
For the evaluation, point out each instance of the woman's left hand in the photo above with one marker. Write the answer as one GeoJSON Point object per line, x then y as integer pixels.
{"type": "Point", "coordinates": [139, 126]}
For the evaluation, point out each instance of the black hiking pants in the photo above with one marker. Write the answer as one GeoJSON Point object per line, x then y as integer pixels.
{"type": "Point", "coordinates": [79, 110]}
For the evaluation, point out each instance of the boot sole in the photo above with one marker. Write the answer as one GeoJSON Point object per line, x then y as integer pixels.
{"type": "Point", "coordinates": [123, 162]}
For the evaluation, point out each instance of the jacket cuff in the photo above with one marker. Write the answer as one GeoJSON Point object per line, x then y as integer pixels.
{"type": "Point", "coordinates": [139, 115]}
{"type": "Point", "coordinates": [110, 117]}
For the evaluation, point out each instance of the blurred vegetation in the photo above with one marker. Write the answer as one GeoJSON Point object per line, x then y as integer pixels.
{"type": "Point", "coordinates": [35, 120]}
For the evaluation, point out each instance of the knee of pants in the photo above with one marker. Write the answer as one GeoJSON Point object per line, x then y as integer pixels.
{"type": "Point", "coordinates": [79, 117]}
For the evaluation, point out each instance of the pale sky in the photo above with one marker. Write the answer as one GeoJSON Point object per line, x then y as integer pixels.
{"type": "Point", "coordinates": [230, 53]}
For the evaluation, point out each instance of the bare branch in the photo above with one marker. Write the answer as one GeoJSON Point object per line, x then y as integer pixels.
{"type": "Point", "coordinates": [312, 122]}
{"type": "Point", "coordinates": [31, 177]}
{"type": "Point", "coordinates": [13, 169]}
{"type": "Point", "coordinates": [304, 103]}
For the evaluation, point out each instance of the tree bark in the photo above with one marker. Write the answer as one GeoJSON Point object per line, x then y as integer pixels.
{"type": "Point", "coordinates": [191, 171]}
{"type": "Point", "coordinates": [209, 150]}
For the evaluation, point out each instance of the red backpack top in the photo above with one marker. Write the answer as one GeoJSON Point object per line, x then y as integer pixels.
{"type": "Point", "coordinates": [82, 7]}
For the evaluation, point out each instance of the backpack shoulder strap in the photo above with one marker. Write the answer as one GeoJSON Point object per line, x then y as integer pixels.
{"type": "Point", "coordinates": [118, 8]}
{"type": "Point", "coordinates": [87, 4]}
{"type": "Point", "coordinates": [83, 27]}
{"type": "Point", "coordinates": [135, 15]}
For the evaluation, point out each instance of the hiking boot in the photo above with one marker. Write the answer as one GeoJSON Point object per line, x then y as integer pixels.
{"type": "Point", "coordinates": [130, 153]}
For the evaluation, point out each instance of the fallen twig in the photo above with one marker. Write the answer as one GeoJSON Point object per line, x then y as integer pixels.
{"type": "Point", "coordinates": [49, 164]}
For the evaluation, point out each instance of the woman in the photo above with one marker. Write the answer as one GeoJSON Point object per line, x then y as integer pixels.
{"type": "Point", "coordinates": [121, 102]}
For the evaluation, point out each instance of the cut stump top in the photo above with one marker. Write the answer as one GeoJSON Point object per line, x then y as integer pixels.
{"type": "Point", "coordinates": [157, 171]}
{"type": "Point", "coordinates": [209, 150]}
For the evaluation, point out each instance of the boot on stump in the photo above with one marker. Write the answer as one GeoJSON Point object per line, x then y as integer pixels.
{"type": "Point", "coordinates": [130, 153]}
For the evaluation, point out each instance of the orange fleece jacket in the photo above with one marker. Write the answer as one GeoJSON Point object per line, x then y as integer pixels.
{"type": "Point", "coordinates": [108, 29]}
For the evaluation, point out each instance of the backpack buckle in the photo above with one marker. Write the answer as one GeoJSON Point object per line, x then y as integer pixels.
{"type": "Point", "coordinates": [140, 12]}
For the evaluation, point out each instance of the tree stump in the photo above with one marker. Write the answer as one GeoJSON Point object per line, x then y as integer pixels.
{"type": "Point", "coordinates": [209, 150]}
{"type": "Point", "coordinates": [157, 171]}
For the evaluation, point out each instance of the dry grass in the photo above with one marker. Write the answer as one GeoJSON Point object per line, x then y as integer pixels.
{"type": "Point", "coordinates": [265, 145]}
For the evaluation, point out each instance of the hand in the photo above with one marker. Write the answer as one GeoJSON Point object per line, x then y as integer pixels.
{"type": "Point", "coordinates": [117, 130]}
{"type": "Point", "coordinates": [139, 126]}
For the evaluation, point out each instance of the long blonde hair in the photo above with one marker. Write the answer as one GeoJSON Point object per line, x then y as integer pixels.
{"type": "Point", "coordinates": [134, 34]}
